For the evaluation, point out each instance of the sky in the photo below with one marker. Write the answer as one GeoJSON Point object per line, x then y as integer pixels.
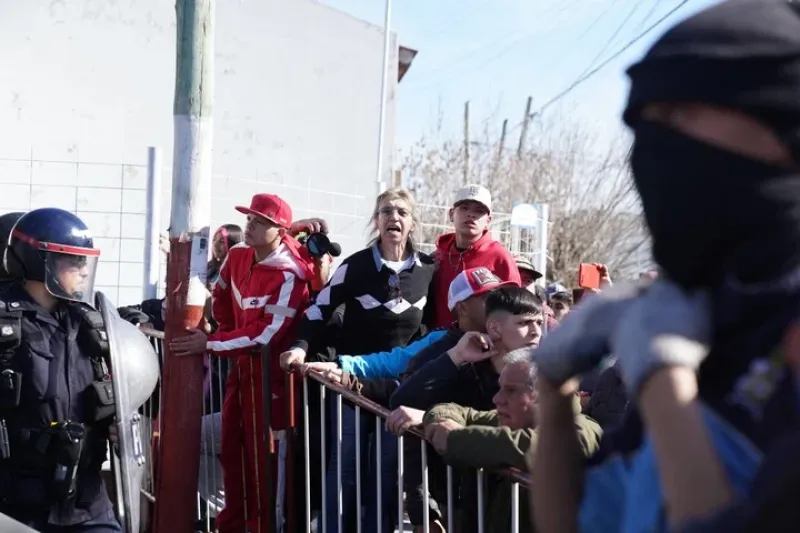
{"type": "Point", "coordinates": [496, 53]}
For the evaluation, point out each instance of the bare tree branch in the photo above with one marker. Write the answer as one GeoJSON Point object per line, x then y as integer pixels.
{"type": "Point", "coordinates": [594, 211]}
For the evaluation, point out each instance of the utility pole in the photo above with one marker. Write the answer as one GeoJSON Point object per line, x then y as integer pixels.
{"type": "Point", "coordinates": [466, 142]}
{"type": "Point", "coordinates": [525, 123]}
{"type": "Point", "coordinates": [387, 41]}
{"type": "Point", "coordinates": [152, 235]}
{"type": "Point", "coordinates": [182, 382]}
{"type": "Point", "coordinates": [500, 149]}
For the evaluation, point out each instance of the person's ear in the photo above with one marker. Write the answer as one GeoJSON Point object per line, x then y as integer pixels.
{"type": "Point", "coordinates": [493, 329]}
{"type": "Point", "coordinates": [450, 214]}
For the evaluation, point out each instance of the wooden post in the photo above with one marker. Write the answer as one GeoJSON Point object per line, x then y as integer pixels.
{"type": "Point", "coordinates": [525, 123]}
{"type": "Point", "coordinates": [182, 382]}
{"type": "Point", "coordinates": [500, 148]}
{"type": "Point", "coordinates": [466, 142]}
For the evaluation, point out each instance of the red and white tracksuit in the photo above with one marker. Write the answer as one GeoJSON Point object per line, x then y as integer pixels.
{"type": "Point", "coordinates": [255, 304]}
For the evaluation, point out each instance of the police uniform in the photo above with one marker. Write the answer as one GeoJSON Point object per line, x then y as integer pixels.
{"type": "Point", "coordinates": [56, 402]}
{"type": "Point", "coordinates": [56, 373]}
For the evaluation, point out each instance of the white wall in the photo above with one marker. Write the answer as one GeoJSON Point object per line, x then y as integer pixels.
{"type": "Point", "coordinates": [87, 85]}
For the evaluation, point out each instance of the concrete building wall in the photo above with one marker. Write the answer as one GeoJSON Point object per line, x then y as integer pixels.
{"type": "Point", "coordinates": [86, 86]}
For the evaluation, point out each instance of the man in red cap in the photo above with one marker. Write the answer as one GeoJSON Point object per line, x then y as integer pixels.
{"type": "Point", "coordinates": [259, 299]}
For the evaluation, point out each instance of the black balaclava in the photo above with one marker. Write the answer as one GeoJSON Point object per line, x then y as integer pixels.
{"type": "Point", "coordinates": [713, 213]}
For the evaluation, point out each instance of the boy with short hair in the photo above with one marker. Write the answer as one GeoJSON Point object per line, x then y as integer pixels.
{"type": "Point", "coordinates": [469, 246]}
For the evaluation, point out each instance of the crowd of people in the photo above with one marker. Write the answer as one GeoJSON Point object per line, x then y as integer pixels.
{"type": "Point", "coordinates": [389, 322]}
{"type": "Point", "coordinates": [668, 403]}
{"type": "Point", "coordinates": [665, 404]}
{"type": "Point", "coordinates": [442, 340]}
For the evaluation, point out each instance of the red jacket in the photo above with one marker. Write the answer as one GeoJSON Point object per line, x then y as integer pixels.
{"type": "Point", "coordinates": [259, 304]}
{"type": "Point", "coordinates": [486, 252]}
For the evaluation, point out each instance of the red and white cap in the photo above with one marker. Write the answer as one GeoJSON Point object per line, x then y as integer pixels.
{"type": "Point", "coordinates": [473, 282]}
{"type": "Point", "coordinates": [271, 207]}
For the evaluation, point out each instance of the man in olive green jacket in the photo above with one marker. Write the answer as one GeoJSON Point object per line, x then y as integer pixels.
{"type": "Point", "coordinates": [500, 439]}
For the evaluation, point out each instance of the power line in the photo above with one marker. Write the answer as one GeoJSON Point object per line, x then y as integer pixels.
{"type": "Point", "coordinates": [470, 55]}
{"type": "Point", "coordinates": [597, 20]}
{"type": "Point", "coordinates": [507, 42]}
{"type": "Point", "coordinates": [463, 16]}
{"type": "Point", "coordinates": [586, 76]}
{"type": "Point", "coordinates": [589, 71]}
{"type": "Point", "coordinates": [614, 35]}
{"type": "Point", "coordinates": [560, 58]}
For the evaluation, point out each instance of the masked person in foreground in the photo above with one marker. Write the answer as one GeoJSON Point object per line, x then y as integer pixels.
{"type": "Point", "coordinates": [715, 113]}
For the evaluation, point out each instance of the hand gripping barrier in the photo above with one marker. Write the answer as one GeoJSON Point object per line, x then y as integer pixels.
{"type": "Point", "coordinates": [296, 500]}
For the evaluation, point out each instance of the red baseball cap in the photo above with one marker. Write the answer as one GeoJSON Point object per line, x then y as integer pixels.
{"type": "Point", "coordinates": [472, 282]}
{"type": "Point", "coordinates": [271, 207]}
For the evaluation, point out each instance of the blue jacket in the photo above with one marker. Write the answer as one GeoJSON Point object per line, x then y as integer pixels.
{"type": "Point", "coordinates": [387, 364]}
{"type": "Point", "coordinates": [56, 374]}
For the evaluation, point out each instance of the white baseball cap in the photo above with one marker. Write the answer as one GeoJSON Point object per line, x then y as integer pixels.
{"type": "Point", "coordinates": [474, 193]}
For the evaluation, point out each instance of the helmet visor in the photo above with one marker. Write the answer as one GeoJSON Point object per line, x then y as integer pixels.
{"type": "Point", "coordinates": [70, 276]}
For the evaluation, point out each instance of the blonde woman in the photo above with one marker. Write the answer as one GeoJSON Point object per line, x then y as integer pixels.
{"type": "Point", "coordinates": [384, 288]}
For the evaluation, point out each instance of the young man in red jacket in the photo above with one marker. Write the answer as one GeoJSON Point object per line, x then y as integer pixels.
{"type": "Point", "coordinates": [259, 300]}
{"type": "Point", "coordinates": [469, 246]}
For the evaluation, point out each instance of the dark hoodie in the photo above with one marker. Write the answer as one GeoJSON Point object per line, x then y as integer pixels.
{"type": "Point", "coordinates": [431, 380]}
{"type": "Point", "coordinates": [450, 261]}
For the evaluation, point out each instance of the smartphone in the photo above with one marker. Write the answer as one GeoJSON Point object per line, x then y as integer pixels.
{"type": "Point", "coordinates": [588, 276]}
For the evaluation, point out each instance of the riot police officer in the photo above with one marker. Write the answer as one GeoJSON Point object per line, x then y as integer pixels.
{"type": "Point", "coordinates": [54, 392]}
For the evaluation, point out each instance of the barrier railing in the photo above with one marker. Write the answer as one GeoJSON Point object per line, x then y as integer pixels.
{"type": "Point", "coordinates": [340, 465]}
{"type": "Point", "coordinates": [380, 414]}
{"type": "Point", "coordinates": [210, 494]}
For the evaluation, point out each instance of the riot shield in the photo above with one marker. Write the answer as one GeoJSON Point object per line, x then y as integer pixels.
{"type": "Point", "coordinates": [134, 373]}
{"type": "Point", "coordinates": [9, 525]}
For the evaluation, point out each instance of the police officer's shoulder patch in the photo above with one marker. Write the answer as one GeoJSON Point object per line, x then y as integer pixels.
{"type": "Point", "coordinates": [10, 326]}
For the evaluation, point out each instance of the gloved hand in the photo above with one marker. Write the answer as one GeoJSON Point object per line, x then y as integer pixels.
{"type": "Point", "coordinates": [666, 326]}
{"type": "Point", "coordinates": [583, 338]}
{"type": "Point", "coordinates": [134, 316]}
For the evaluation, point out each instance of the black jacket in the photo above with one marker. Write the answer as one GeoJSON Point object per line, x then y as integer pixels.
{"type": "Point", "coordinates": [440, 381]}
{"type": "Point", "coordinates": [57, 373]}
{"type": "Point", "coordinates": [609, 400]}
{"type": "Point", "coordinates": [384, 309]}
{"type": "Point", "coordinates": [429, 380]}
{"type": "Point", "coordinates": [147, 311]}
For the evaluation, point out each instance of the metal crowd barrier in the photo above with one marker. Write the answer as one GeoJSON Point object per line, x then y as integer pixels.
{"type": "Point", "coordinates": [211, 498]}
{"type": "Point", "coordinates": [210, 494]}
{"type": "Point", "coordinates": [380, 413]}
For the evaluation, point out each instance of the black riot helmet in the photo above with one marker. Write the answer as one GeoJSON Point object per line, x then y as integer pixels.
{"type": "Point", "coordinates": [7, 222]}
{"type": "Point", "coordinates": [56, 248]}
